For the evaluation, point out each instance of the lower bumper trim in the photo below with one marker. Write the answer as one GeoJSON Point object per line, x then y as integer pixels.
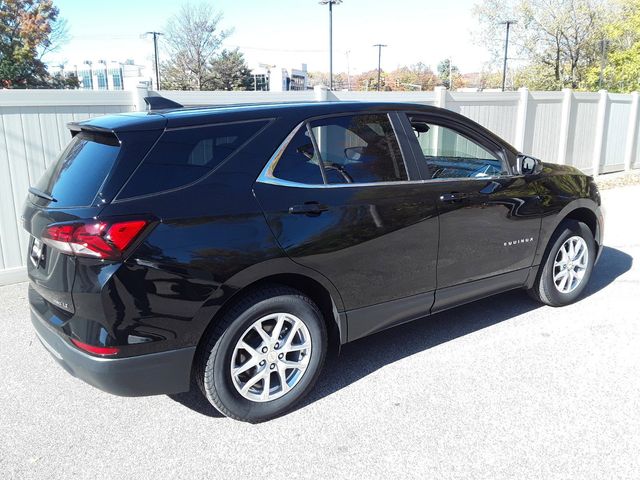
{"type": "Point", "coordinates": [150, 374]}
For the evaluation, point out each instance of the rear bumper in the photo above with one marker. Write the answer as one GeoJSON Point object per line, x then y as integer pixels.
{"type": "Point", "coordinates": [149, 374]}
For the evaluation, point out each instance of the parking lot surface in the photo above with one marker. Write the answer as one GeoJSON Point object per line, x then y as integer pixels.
{"type": "Point", "coordinates": [501, 388]}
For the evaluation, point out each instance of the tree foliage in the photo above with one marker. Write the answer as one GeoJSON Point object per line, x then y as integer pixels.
{"type": "Point", "coordinates": [622, 33]}
{"type": "Point", "coordinates": [193, 38]}
{"type": "Point", "coordinates": [28, 30]}
{"type": "Point", "coordinates": [230, 72]}
{"type": "Point", "coordinates": [405, 78]}
{"type": "Point", "coordinates": [556, 39]}
{"type": "Point", "coordinates": [413, 77]}
{"type": "Point", "coordinates": [449, 74]}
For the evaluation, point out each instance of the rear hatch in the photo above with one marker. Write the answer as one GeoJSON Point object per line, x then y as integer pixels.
{"type": "Point", "coordinates": [70, 190]}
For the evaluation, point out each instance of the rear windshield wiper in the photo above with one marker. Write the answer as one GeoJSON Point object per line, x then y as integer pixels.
{"type": "Point", "coordinates": [41, 194]}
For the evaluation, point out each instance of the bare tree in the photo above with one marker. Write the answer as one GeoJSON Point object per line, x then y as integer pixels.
{"type": "Point", "coordinates": [57, 38]}
{"type": "Point", "coordinates": [193, 39]}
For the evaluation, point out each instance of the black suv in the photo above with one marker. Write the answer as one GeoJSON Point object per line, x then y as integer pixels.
{"type": "Point", "coordinates": [232, 246]}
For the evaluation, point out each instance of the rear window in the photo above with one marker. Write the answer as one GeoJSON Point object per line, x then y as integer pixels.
{"type": "Point", "coordinates": [183, 156]}
{"type": "Point", "coordinates": [75, 179]}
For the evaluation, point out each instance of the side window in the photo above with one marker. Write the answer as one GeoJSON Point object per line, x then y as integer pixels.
{"type": "Point", "coordinates": [450, 154]}
{"type": "Point", "coordinates": [299, 162]}
{"type": "Point", "coordinates": [185, 155]}
{"type": "Point", "coordinates": [359, 149]}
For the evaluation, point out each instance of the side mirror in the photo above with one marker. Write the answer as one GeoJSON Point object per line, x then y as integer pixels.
{"type": "Point", "coordinates": [353, 153]}
{"type": "Point", "coordinates": [527, 165]}
{"type": "Point", "coordinates": [420, 127]}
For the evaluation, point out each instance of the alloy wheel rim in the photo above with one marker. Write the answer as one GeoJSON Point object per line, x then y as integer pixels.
{"type": "Point", "coordinates": [271, 357]}
{"type": "Point", "coordinates": [570, 264]}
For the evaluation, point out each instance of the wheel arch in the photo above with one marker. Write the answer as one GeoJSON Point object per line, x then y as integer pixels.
{"type": "Point", "coordinates": [281, 271]}
{"type": "Point", "coordinates": [582, 210]}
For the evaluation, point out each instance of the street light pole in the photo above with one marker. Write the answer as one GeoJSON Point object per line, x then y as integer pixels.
{"type": "Point", "coordinates": [331, 3]}
{"type": "Point", "coordinates": [348, 70]}
{"type": "Point", "coordinates": [508, 23]}
{"type": "Point", "coordinates": [155, 56]}
{"type": "Point", "coordinates": [604, 45]}
{"type": "Point", "coordinates": [379, 45]}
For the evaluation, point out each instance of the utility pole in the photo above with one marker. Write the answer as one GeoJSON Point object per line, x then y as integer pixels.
{"type": "Point", "coordinates": [450, 74]}
{"type": "Point", "coordinates": [155, 55]}
{"type": "Point", "coordinates": [331, 3]}
{"type": "Point", "coordinates": [379, 45]}
{"type": "Point", "coordinates": [508, 23]}
{"type": "Point", "coordinates": [604, 45]}
{"type": "Point", "coordinates": [348, 70]}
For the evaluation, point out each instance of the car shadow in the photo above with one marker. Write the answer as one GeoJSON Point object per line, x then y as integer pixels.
{"type": "Point", "coordinates": [363, 357]}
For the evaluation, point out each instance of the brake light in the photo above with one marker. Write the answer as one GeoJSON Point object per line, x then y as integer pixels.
{"type": "Point", "coordinates": [96, 350]}
{"type": "Point", "coordinates": [98, 239]}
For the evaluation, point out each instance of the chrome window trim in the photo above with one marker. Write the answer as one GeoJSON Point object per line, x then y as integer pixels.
{"type": "Point", "coordinates": [266, 175]}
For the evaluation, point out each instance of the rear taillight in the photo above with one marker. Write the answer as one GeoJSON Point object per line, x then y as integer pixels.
{"type": "Point", "coordinates": [97, 239]}
{"type": "Point", "coordinates": [95, 350]}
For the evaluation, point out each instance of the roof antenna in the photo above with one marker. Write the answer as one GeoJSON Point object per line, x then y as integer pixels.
{"type": "Point", "coordinates": [157, 102]}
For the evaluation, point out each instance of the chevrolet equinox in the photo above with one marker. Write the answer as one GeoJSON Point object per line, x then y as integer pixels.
{"type": "Point", "coordinates": [232, 246]}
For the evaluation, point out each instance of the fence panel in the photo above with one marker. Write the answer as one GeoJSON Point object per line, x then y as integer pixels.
{"type": "Point", "coordinates": [498, 111]}
{"type": "Point", "coordinates": [33, 132]}
{"type": "Point", "coordinates": [230, 98]}
{"type": "Point", "coordinates": [582, 131]}
{"type": "Point", "coordinates": [542, 137]}
{"type": "Point", "coordinates": [426, 98]}
{"type": "Point", "coordinates": [615, 138]}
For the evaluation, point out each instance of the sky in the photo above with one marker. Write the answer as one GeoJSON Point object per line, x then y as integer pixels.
{"type": "Point", "coordinates": [286, 33]}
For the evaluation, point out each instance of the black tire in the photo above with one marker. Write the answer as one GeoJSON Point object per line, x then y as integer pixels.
{"type": "Point", "coordinates": [213, 363]}
{"type": "Point", "coordinates": [544, 289]}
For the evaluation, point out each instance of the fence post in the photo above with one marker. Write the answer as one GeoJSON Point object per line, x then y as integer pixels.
{"type": "Point", "coordinates": [600, 132]}
{"type": "Point", "coordinates": [321, 93]}
{"type": "Point", "coordinates": [632, 133]}
{"type": "Point", "coordinates": [138, 94]}
{"type": "Point", "coordinates": [521, 121]}
{"type": "Point", "coordinates": [565, 124]}
{"type": "Point", "coordinates": [440, 96]}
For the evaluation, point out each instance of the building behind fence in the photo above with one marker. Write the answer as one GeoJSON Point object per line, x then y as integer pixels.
{"type": "Point", "coordinates": [596, 132]}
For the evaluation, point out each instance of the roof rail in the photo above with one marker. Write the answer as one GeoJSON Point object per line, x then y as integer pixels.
{"type": "Point", "coordinates": [157, 102]}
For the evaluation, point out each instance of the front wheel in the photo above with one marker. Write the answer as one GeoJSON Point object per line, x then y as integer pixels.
{"type": "Point", "coordinates": [567, 266]}
{"type": "Point", "coordinates": [264, 355]}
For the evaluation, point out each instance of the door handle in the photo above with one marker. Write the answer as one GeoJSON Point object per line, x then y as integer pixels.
{"type": "Point", "coordinates": [308, 208]}
{"type": "Point", "coordinates": [454, 197]}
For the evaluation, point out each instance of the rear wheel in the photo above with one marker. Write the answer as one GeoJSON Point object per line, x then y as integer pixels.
{"type": "Point", "coordinates": [264, 355]}
{"type": "Point", "coordinates": [567, 266]}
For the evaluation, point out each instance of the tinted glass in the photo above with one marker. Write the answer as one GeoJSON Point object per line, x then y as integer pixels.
{"type": "Point", "coordinates": [450, 154]}
{"type": "Point", "coordinates": [359, 149]}
{"type": "Point", "coordinates": [75, 179]}
{"type": "Point", "coordinates": [183, 156]}
{"type": "Point", "coordinates": [299, 162]}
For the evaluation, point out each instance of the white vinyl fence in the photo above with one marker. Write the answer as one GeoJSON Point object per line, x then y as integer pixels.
{"type": "Point", "coordinates": [596, 132]}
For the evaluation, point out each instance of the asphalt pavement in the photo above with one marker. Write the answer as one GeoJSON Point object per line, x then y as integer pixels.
{"type": "Point", "coordinates": [501, 388]}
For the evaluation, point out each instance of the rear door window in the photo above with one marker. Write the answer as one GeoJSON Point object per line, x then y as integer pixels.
{"type": "Point", "coordinates": [183, 156]}
{"type": "Point", "coordinates": [350, 149]}
{"type": "Point", "coordinates": [76, 178]}
{"type": "Point", "coordinates": [359, 149]}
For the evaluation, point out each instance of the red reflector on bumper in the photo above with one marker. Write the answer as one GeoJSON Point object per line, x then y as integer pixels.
{"type": "Point", "coordinates": [95, 350]}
